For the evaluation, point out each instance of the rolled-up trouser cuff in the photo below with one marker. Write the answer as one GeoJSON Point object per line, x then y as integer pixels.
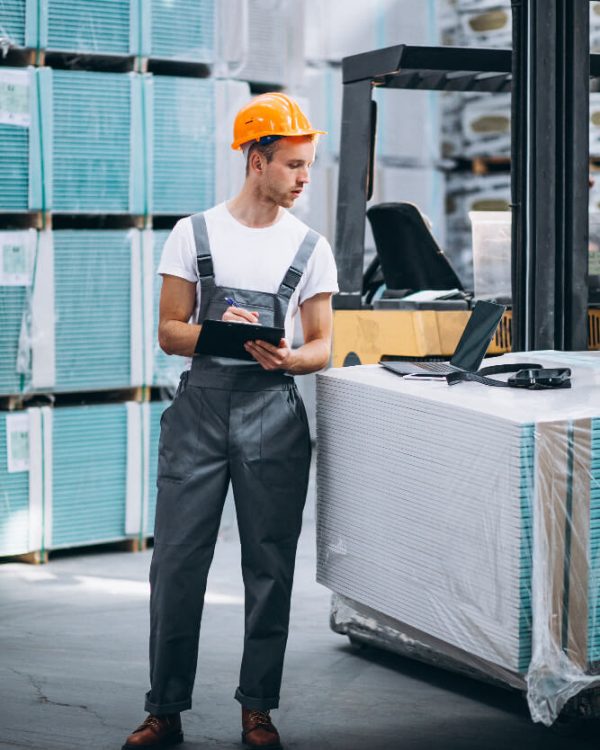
{"type": "Point", "coordinates": [166, 708]}
{"type": "Point", "coordinates": [256, 704]}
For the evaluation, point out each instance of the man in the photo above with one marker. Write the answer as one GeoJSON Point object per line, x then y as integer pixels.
{"type": "Point", "coordinates": [247, 261]}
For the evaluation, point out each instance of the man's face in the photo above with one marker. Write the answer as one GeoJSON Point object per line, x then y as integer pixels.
{"type": "Point", "coordinates": [285, 176]}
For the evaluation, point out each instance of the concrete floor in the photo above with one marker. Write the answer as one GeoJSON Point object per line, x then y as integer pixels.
{"type": "Point", "coordinates": [73, 669]}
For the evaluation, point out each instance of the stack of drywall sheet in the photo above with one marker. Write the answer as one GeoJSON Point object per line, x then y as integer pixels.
{"type": "Point", "coordinates": [14, 484]}
{"type": "Point", "coordinates": [85, 27]}
{"type": "Point", "coordinates": [183, 144]}
{"type": "Point", "coordinates": [428, 497]}
{"type": "Point", "coordinates": [338, 28]}
{"type": "Point", "coordinates": [17, 255]}
{"type": "Point", "coordinates": [181, 30]}
{"type": "Point", "coordinates": [74, 475]}
{"type": "Point", "coordinates": [265, 45]}
{"type": "Point", "coordinates": [82, 319]}
{"type": "Point", "coordinates": [20, 153]}
{"type": "Point", "coordinates": [94, 124]}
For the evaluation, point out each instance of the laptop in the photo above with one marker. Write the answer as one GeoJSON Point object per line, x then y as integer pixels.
{"type": "Point", "coordinates": [471, 348]}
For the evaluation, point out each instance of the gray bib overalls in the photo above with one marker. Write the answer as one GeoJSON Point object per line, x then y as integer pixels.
{"type": "Point", "coordinates": [230, 420]}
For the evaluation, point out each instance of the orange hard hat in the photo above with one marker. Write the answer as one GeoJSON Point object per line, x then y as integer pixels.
{"type": "Point", "coordinates": [272, 114]}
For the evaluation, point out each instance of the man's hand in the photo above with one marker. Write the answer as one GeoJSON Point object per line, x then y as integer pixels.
{"type": "Point", "coordinates": [271, 357]}
{"type": "Point", "coordinates": [239, 315]}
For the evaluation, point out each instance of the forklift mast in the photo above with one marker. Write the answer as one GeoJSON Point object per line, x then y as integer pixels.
{"type": "Point", "coordinates": [548, 74]}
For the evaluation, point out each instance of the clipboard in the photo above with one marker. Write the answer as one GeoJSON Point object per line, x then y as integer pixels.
{"type": "Point", "coordinates": [222, 338]}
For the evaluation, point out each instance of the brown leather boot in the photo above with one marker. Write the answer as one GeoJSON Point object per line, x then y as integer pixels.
{"type": "Point", "coordinates": [156, 732]}
{"type": "Point", "coordinates": [258, 730]}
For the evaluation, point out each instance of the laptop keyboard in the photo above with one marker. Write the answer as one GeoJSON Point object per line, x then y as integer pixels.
{"type": "Point", "coordinates": [440, 367]}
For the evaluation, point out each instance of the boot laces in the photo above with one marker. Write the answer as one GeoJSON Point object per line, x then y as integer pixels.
{"type": "Point", "coordinates": [152, 721]}
{"type": "Point", "coordinates": [260, 718]}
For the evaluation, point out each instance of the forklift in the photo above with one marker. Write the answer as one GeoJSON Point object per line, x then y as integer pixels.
{"type": "Point", "coordinates": [408, 258]}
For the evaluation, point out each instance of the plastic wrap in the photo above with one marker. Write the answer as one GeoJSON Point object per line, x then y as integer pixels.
{"type": "Point", "coordinates": [469, 515]}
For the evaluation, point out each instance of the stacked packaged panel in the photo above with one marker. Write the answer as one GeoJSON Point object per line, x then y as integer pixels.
{"type": "Point", "coordinates": [230, 97]}
{"type": "Point", "coordinates": [340, 28]}
{"type": "Point", "coordinates": [487, 23]}
{"type": "Point", "coordinates": [14, 484]}
{"type": "Point", "coordinates": [183, 144]}
{"type": "Point", "coordinates": [84, 329]}
{"type": "Point", "coordinates": [98, 154]}
{"type": "Point", "coordinates": [93, 278]}
{"type": "Point", "coordinates": [182, 30]}
{"type": "Point", "coordinates": [71, 141]}
{"type": "Point", "coordinates": [17, 253]}
{"type": "Point", "coordinates": [13, 19]}
{"type": "Point", "coordinates": [20, 157]}
{"type": "Point", "coordinates": [594, 124]}
{"type": "Point", "coordinates": [324, 89]}
{"type": "Point", "coordinates": [595, 27]}
{"type": "Point", "coordinates": [468, 517]}
{"type": "Point", "coordinates": [101, 27]}
{"type": "Point", "coordinates": [486, 126]}
{"type": "Point", "coordinates": [407, 126]}
{"type": "Point", "coordinates": [73, 476]}
{"type": "Point", "coordinates": [272, 44]}
{"type": "Point", "coordinates": [89, 470]}
{"type": "Point", "coordinates": [166, 369]}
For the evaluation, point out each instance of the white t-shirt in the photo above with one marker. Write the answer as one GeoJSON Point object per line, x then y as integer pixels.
{"type": "Point", "coordinates": [249, 258]}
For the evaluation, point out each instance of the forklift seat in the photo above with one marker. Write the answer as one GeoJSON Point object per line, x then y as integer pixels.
{"type": "Point", "coordinates": [410, 257]}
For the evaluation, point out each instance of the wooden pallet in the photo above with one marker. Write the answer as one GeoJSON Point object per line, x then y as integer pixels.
{"type": "Point", "coordinates": [26, 220]}
{"type": "Point", "coordinates": [139, 394]}
{"type": "Point", "coordinates": [42, 557]}
{"type": "Point", "coordinates": [18, 58]}
{"type": "Point", "coordinates": [102, 63]}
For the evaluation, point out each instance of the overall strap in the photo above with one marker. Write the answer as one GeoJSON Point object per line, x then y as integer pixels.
{"type": "Point", "coordinates": [204, 262]}
{"type": "Point", "coordinates": [298, 266]}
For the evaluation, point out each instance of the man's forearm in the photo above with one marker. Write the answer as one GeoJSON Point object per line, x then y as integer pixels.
{"type": "Point", "coordinates": [180, 338]}
{"type": "Point", "coordinates": [310, 357]}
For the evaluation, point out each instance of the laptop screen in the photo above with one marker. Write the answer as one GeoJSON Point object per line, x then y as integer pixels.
{"type": "Point", "coordinates": [477, 335]}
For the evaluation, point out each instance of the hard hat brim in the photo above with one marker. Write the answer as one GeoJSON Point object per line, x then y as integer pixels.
{"type": "Point", "coordinates": [237, 145]}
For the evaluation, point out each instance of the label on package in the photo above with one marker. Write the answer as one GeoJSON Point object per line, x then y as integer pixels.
{"type": "Point", "coordinates": [17, 442]}
{"type": "Point", "coordinates": [15, 259]}
{"type": "Point", "coordinates": [14, 98]}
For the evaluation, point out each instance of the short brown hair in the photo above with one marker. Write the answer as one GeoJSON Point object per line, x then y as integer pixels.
{"type": "Point", "coordinates": [264, 149]}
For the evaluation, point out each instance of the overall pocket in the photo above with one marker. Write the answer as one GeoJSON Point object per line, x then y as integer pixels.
{"type": "Point", "coordinates": [179, 435]}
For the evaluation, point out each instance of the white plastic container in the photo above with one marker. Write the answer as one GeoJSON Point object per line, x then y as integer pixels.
{"type": "Point", "coordinates": [491, 253]}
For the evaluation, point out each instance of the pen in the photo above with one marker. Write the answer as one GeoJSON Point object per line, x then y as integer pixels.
{"type": "Point", "coordinates": [231, 302]}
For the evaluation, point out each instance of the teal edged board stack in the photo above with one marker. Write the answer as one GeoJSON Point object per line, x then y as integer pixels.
{"type": "Point", "coordinates": [182, 30]}
{"type": "Point", "coordinates": [166, 368]}
{"type": "Point", "coordinates": [72, 476]}
{"type": "Point", "coordinates": [80, 311]}
{"type": "Point", "coordinates": [182, 143]}
{"type": "Point", "coordinates": [179, 30]}
{"type": "Point", "coordinates": [14, 484]}
{"type": "Point", "coordinates": [89, 470]}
